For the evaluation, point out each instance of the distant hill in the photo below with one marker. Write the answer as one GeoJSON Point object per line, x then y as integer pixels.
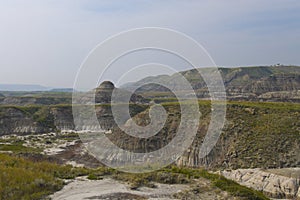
{"type": "Point", "coordinates": [31, 88]}
{"type": "Point", "coordinates": [278, 83]}
{"type": "Point", "coordinates": [62, 90]}
{"type": "Point", "coordinates": [22, 87]}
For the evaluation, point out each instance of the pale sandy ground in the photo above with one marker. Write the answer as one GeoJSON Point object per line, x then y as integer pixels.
{"type": "Point", "coordinates": [111, 189]}
{"type": "Point", "coordinates": [288, 172]}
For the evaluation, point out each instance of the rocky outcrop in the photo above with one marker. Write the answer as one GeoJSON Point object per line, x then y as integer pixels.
{"type": "Point", "coordinates": [28, 120]}
{"type": "Point", "coordinates": [293, 96]}
{"type": "Point", "coordinates": [14, 120]}
{"type": "Point", "coordinates": [273, 185]}
{"type": "Point", "coordinates": [62, 118]}
{"type": "Point", "coordinates": [44, 119]}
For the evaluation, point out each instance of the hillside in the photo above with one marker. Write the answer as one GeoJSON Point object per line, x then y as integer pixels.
{"type": "Point", "coordinates": [273, 83]}
{"type": "Point", "coordinates": [22, 87]}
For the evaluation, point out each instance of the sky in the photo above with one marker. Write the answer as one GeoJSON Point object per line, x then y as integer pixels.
{"type": "Point", "coordinates": [45, 41]}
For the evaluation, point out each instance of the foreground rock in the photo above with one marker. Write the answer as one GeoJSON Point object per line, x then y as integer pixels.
{"type": "Point", "coordinates": [273, 183]}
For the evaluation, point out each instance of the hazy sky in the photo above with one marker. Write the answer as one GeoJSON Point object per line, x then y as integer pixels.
{"type": "Point", "coordinates": [45, 41]}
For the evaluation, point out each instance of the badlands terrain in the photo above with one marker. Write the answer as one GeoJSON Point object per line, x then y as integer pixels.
{"type": "Point", "coordinates": [256, 157]}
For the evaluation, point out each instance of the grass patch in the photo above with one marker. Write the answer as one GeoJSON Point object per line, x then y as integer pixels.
{"type": "Point", "coordinates": [68, 137]}
{"type": "Point", "coordinates": [23, 179]}
{"type": "Point", "coordinates": [16, 146]}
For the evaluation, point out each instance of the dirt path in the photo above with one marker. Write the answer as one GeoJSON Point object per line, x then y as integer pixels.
{"type": "Point", "coordinates": [111, 189]}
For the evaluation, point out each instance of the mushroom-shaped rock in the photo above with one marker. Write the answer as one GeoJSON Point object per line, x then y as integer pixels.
{"type": "Point", "coordinates": [103, 94]}
{"type": "Point", "coordinates": [106, 85]}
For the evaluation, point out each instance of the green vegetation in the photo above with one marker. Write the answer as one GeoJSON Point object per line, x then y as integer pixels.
{"type": "Point", "coordinates": [17, 148]}
{"type": "Point", "coordinates": [24, 179]}
{"type": "Point", "coordinates": [99, 173]}
{"type": "Point", "coordinates": [15, 145]}
{"type": "Point", "coordinates": [44, 118]}
{"type": "Point", "coordinates": [68, 137]}
{"type": "Point", "coordinates": [259, 130]}
{"type": "Point", "coordinates": [280, 106]}
{"type": "Point", "coordinates": [148, 179]}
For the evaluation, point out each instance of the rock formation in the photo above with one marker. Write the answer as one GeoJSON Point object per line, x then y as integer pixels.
{"type": "Point", "coordinates": [103, 94]}
{"type": "Point", "coordinates": [273, 185]}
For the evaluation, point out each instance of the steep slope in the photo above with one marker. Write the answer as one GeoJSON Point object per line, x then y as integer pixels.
{"type": "Point", "coordinates": [255, 135]}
